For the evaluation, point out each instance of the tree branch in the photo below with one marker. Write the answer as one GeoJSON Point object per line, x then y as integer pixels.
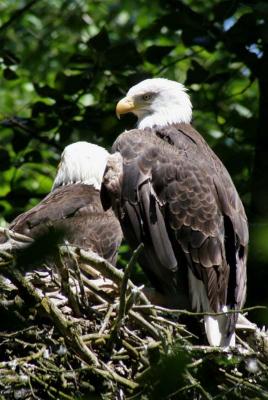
{"type": "Point", "coordinates": [18, 14]}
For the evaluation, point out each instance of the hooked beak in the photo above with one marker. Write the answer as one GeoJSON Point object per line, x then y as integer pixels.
{"type": "Point", "coordinates": [124, 106]}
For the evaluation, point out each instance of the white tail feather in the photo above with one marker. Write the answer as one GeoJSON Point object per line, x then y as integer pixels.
{"type": "Point", "coordinates": [215, 327]}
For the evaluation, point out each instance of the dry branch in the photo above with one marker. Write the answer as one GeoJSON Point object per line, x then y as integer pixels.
{"type": "Point", "coordinates": [91, 330]}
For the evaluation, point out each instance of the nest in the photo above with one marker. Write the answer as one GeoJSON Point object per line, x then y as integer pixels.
{"type": "Point", "coordinates": [83, 330]}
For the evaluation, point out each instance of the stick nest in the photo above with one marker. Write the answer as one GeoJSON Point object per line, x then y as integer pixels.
{"type": "Point", "coordinates": [81, 329]}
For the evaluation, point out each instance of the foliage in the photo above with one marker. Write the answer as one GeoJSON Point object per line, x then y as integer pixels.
{"type": "Point", "coordinates": [64, 64]}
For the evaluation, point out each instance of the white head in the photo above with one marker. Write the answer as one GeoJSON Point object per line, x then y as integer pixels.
{"type": "Point", "coordinates": [81, 162]}
{"type": "Point", "coordinates": [157, 101]}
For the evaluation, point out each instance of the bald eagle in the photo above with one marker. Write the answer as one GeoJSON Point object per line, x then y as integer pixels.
{"type": "Point", "coordinates": [176, 197]}
{"type": "Point", "coordinates": [73, 207]}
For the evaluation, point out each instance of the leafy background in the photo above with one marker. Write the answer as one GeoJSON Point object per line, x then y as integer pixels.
{"type": "Point", "coordinates": [64, 65]}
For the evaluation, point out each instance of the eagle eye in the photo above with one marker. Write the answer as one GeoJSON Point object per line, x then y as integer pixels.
{"type": "Point", "coordinates": [147, 96]}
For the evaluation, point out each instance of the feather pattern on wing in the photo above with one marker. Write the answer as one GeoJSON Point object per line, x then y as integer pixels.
{"type": "Point", "coordinates": [75, 210]}
{"type": "Point", "coordinates": [185, 208]}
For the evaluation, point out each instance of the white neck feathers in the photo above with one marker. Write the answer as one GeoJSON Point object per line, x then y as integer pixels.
{"type": "Point", "coordinates": [161, 102]}
{"type": "Point", "coordinates": [166, 116]}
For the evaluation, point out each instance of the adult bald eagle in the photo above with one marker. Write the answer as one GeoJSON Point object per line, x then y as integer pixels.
{"type": "Point", "coordinates": [73, 207]}
{"type": "Point", "coordinates": [177, 198]}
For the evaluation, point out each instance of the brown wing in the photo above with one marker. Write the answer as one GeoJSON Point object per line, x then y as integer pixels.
{"type": "Point", "coordinates": [76, 211]}
{"type": "Point", "coordinates": [184, 136]}
{"type": "Point", "coordinates": [171, 200]}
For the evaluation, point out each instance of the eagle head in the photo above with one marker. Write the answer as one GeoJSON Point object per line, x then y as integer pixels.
{"type": "Point", "coordinates": [81, 162]}
{"type": "Point", "coordinates": [157, 101]}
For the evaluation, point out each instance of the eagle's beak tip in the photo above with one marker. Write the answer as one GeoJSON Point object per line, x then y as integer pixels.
{"type": "Point", "coordinates": [124, 106]}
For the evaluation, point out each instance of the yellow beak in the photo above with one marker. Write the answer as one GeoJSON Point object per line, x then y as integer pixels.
{"type": "Point", "coordinates": [124, 106]}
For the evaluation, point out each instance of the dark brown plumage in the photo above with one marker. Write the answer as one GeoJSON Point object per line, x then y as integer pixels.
{"type": "Point", "coordinates": [74, 210]}
{"type": "Point", "coordinates": [178, 198]}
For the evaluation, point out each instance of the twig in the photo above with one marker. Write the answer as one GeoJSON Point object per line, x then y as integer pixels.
{"type": "Point", "coordinates": [47, 386]}
{"type": "Point", "coordinates": [183, 389]}
{"type": "Point", "coordinates": [23, 360]}
{"type": "Point", "coordinates": [203, 350]}
{"type": "Point", "coordinates": [7, 256]}
{"type": "Point", "coordinates": [113, 375]}
{"type": "Point", "coordinates": [194, 382]}
{"type": "Point", "coordinates": [106, 269]}
{"type": "Point", "coordinates": [177, 60]}
{"type": "Point", "coordinates": [66, 286]}
{"type": "Point", "coordinates": [17, 14]}
{"type": "Point", "coordinates": [135, 353]}
{"type": "Point", "coordinates": [122, 298]}
{"type": "Point", "coordinates": [16, 304]}
{"type": "Point", "coordinates": [141, 321]}
{"type": "Point", "coordinates": [95, 336]}
{"type": "Point", "coordinates": [69, 333]}
{"type": "Point", "coordinates": [57, 316]}
{"type": "Point", "coordinates": [85, 340]}
{"type": "Point", "coordinates": [80, 282]}
{"type": "Point", "coordinates": [15, 235]}
{"type": "Point", "coordinates": [193, 313]}
{"type": "Point", "coordinates": [239, 92]}
{"type": "Point", "coordinates": [14, 241]}
{"type": "Point", "coordinates": [124, 284]}
{"type": "Point", "coordinates": [244, 382]}
{"type": "Point", "coordinates": [99, 294]}
{"type": "Point", "coordinates": [107, 318]}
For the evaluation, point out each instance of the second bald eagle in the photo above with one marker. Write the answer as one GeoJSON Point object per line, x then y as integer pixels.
{"type": "Point", "coordinates": [176, 197]}
{"type": "Point", "coordinates": [73, 208]}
